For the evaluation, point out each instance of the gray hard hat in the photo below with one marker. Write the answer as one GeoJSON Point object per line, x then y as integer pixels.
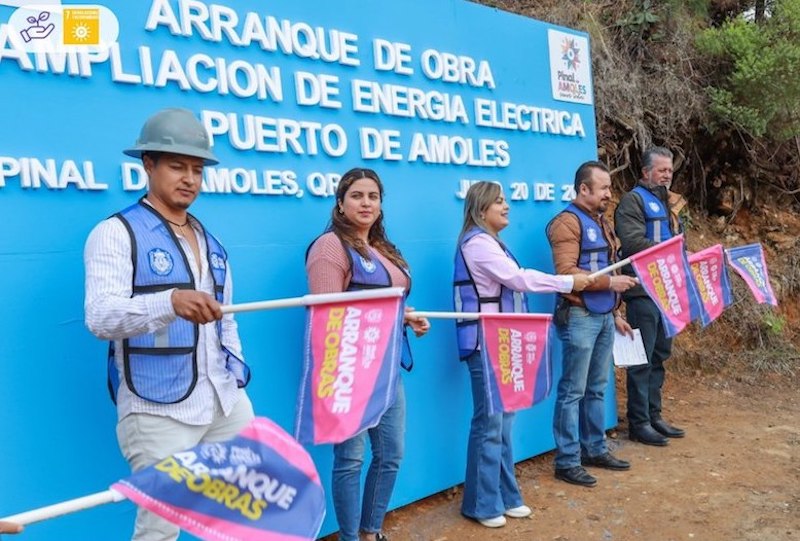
{"type": "Point", "coordinates": [176, 131]}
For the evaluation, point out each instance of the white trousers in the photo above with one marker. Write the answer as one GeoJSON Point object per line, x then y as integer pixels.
{"type": "Point", "coordinates": [145, 439]}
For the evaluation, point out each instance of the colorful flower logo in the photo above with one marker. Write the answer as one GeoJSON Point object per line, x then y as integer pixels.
{"type": "Point", "coordinates": [570, 52]}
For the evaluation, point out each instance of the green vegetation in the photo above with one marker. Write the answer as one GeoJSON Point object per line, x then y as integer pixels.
{"type": "Point", "coordinates": [641, 17]}
{"type": "Point", "coordinates": [773, 323]}
{"type": "Point", "coordinates": [758, 77]}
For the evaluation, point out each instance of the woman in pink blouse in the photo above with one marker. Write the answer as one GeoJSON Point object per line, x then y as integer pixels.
{"type": "Point", "coordinates": [488, 278]}
{"type": "Point", "coordinates": [354, 253]}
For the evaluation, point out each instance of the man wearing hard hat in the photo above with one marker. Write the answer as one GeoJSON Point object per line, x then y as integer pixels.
{"type": "Point", "coordinates": [155, 281]}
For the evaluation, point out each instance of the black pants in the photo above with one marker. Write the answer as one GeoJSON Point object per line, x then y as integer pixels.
{"type": "Point", "coordinates": [645, 381]}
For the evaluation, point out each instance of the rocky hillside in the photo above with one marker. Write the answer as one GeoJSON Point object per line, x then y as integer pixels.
{"type": "Point", "coordinates": [717, 82]}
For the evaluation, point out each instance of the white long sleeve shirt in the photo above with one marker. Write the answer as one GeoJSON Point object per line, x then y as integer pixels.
{"type": "Point", "coordinates": [112, 314]}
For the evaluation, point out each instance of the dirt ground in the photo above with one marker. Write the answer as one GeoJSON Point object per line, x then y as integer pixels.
{"type": "Point", "coordinates": [734, 477]}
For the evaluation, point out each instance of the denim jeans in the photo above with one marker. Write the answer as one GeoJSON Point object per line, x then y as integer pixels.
{"type": "Point", "coordinates": [386, 440]}
{"type": "Point", "coordinates": [645, 380]}
{"type": "Point", "coordinates": [579, 417]}
{"type": "Point", "coordinates": [489, 486]}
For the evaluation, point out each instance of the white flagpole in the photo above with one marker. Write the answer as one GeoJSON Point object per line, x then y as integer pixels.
{"type": "Point", "coordinates": [64, 508]}
{"type": "Point", "coordinates": [446, 315]}
{"type": "Point", "coordinates": [610, 268]}
{"type": "Point", "coordinates": [307, 300]}
{"type": "Point", "coordinates": [471, 315]}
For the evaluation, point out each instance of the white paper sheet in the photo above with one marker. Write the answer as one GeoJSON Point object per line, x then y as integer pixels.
{"type": "Point", "coordinates": [627, 351]}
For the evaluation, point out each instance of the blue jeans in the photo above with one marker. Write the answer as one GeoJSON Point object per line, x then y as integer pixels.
{"type": "Point", "coordinates": [578, 420]}
{"type": "Point", "coordinates": [348, 459]}
{"type": "Point", "coordinates": [490, 486]}
{"type": "Point", "coordinates": [645, 381]}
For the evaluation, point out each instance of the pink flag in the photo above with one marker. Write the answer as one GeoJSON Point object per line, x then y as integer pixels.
{"type": "Point", "coordinates": [259, 486]}
{"type": "Point", "coordinates": [516, 360]}
{"type": "Point", "coordinates": [713, 284]}
{"type": "Point", "coordinates": [665, 275]}
{"type": "Point", "coordinates": [351, 361]}
{"type": "Point", "coordinates": [749, 263]}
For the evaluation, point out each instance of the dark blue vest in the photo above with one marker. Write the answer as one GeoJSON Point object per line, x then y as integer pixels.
{"type": "Point", "coordinates": [467, 299]}
{"type": "Point", "coordinates": [595, 255]}
{"type": "Point", "coordinates": [656, 216]}
{"type": "Point", "coordinates": [161, 366]}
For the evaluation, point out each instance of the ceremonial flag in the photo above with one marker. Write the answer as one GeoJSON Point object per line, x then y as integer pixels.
{"type": "Point", "coordinates": [665, 275]}
{"type": "Point", "coordinates": [516, 360]}
{"type": "Point", "coordinates": [351, 358]}
{"type": "Point", "coordinates": [713, 284]}
{"type": "Point", "coordinates": [259, 486]}
{"type": "Point", "coordinates": [749, 263]}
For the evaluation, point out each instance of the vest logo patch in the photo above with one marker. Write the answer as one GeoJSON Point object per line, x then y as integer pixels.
{"type": "Point", "coordinates": [216, 261]}
{"type": "Point", "coordinates": [368, 265]}
{"type": "Point", "coordinates": [654, 206]}
{"type": "Point", "coordinates": [592, 234]}
{"type": "Point", "coordinates": [160, 261]}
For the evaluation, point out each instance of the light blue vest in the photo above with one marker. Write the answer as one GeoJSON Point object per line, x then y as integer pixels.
{"type": "Point", "coordinates": [467, 299]}
{"type": "Point", "coordinates": [595, 255]}
{"type": "Point", "coordinates": [656, 216]}
{"type": "Point", "coordinates": [372, 274]}
{"type": "Point", "coordinates": [161, 366]}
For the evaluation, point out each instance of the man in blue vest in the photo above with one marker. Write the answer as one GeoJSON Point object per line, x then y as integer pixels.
{"type": "Point", "coordinates": [647, 215]}
{"type": "Point", "coordinates": [582, 242]}
{"type": "Point", "coordinates": [155, 283]}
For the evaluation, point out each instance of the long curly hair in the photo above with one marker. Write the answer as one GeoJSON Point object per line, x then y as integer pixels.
{"type": "Point", "coordinates": [346, 230]}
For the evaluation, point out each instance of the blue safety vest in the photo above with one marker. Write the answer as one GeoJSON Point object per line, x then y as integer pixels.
{"type": "Point", "coordinates": [656, 216]}
{"type": "Point", "coordinates": [161, 366]}
{"type": "Point", "coordinates": [467, 299]}
{"type": "Point", "coordinates": [372, 274]}
{"type": "Point", "coordinates": [595, 255]}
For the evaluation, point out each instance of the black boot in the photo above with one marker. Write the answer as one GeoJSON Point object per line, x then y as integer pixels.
{"type": "Point", "coordinates": [647, 435]}
{"type": "Point", "coordinates": [665, 429]}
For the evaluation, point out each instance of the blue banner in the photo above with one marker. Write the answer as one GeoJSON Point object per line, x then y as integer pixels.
{"type": "Point", "coordinates": [433, 95]}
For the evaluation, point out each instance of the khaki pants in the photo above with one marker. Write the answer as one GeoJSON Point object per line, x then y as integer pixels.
{"type": "Point", "coordinates": [145, 439]}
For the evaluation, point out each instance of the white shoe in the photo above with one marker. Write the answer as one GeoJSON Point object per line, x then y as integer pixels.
{"type": "Point", "coordinates": [496, 522]}
{"type": "Point", "coordinates": [519, 512]}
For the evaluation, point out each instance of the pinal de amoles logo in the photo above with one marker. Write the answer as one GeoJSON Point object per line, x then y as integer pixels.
{"type": "Point", "coordinates": [570, 53]}
{"type": "Point", "coordinates": [570, 67]}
